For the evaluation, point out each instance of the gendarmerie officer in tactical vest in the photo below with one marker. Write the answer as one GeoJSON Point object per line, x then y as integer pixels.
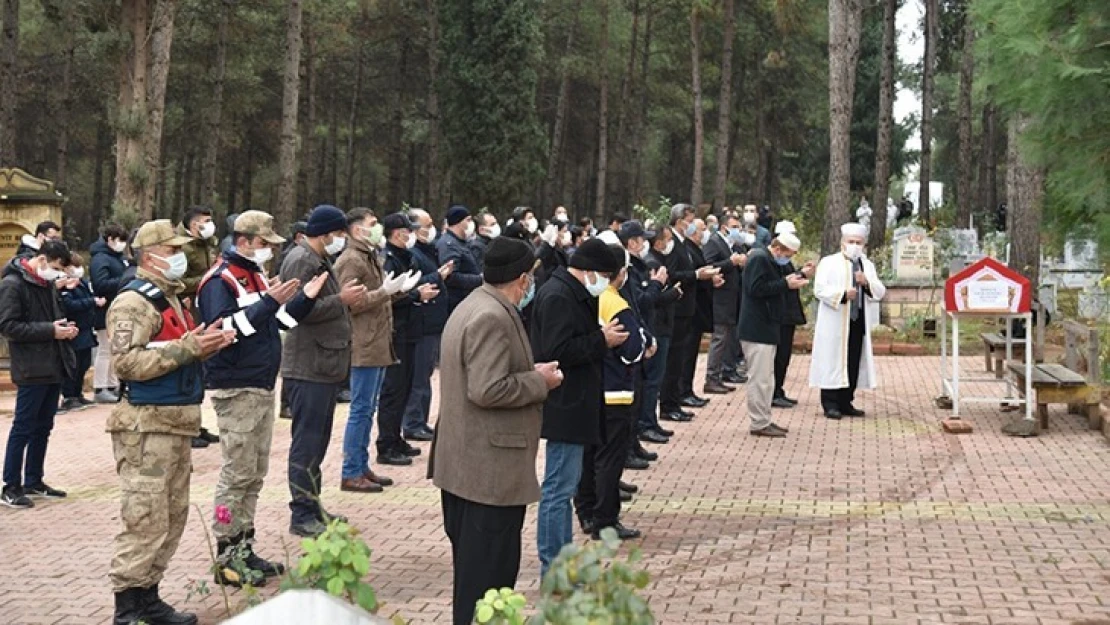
{"type": "Point", "coordinates": [157, 353]}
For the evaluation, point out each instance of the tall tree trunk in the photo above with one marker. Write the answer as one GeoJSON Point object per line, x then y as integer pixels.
{"type": "Point", "coordinates": [287, 161]}
{"type": "Point", "coordinates": [642, 116]}
{"type": "Point", "coordinates": [435, 183]}
{"type": "Point", "coordinates": [603, 113]}
{"type": "Point", "coordinates": [132, 175]}
{"type": "Point", "coordinates": [397, 151]}
{"type": "Point", "coordinates": [988, 161]}
{"type": "Point", "coordinates": [352, 121]}
{"type": "Point", "coordinates": [161, 42]}
{"type": "Point", "coordinates": [699, 115]}
{"type": "Point", "coordinates": [308, 176]}
{"type": "Point", "coordinates": [99, 156]}
{"type": "Point", "coordinates": [248, 177]}
{"type": "Point", "coordinates": [1024, 195]}
{"type": "Point", "coordinates": [967, 68]}
{"type": "Point", "coordinates": [9, 78]}
{"type": "Point", "coordinates": [932, 37]}
{"type": "Point", "coordinates": [69, 46]}
{"type": "Point", "coordinates": [879, 199]}
{"type": "Point", "coordinates": [625, 112]}
{"type": "Point", "coordinates": [724, 106]}
{"type": "Point", "coordinates": [233, 182]}
{"type": "Point", "coordinates": [845, 23]}
{"type": "Point", "coordinates": [215, 107]}
{"type": "Point", "coordinates": [559, 129]}
{"type": "Point", "coordinates": [331, 194]}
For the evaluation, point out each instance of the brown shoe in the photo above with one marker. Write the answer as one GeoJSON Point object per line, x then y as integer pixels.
{"type": "Point", "coordinates": [714, 387]}
{"type": "Point", "coordinates": [770, 431]}
{"type": "Point", "coordinates": [781, 427]}
{"type": "Point", "coordinates": [380, 480]}
{"type": "Point", "coordinates": [360, 485]}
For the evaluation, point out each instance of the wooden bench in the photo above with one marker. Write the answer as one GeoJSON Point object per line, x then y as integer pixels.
{"type": "Point", "coordinates": [994, 349]}
{"type": "Point", "coordinates": [1056, 384]}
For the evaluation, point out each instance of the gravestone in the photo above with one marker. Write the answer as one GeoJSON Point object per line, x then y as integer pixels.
{"type": "Point", "coordinates": [1081, 269]}
{"type": "Point", "coordinates": [963, 246]}
{"type": "Point", "coordinates": [913, 255]}
{"type": "Point", "coordinates": [302, 607]}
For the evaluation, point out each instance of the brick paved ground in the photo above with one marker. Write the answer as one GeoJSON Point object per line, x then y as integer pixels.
{"type": "Point", "coordinates": [876, 520]}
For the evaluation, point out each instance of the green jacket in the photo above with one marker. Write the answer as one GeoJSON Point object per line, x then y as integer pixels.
{"type": "Point", "coordinates": [202, 254]}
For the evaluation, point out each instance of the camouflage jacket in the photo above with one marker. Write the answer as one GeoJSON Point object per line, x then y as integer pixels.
{"type": "Point", "coordinates": [202, 254]}
{"type": "Point", "coordinates": [132, 321]}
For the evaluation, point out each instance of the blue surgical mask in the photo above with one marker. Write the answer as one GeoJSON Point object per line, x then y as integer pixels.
{"type": "Point", "coordinates": [528, 295]}
{"type": "Point", "coordinates": [736, 235]}
{"type": "Point", "coordinates": [691, 230]}
{"type": "Point", "coordinates": [782, 260]}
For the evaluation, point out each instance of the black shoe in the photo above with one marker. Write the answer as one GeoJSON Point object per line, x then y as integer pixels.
{"type": "Point", "coordinates": [625, 497]}
{"type": "Point", "coordinates": [852, 411]}
{"type": "Point", "coordinates": [199, 443]}
{"type": "Point", "coordinates": [687, 413]}
{"type": "Point", "coordinates": [714, 387]}
{"type": "Point", "coordinates": [129, 607]}
{"type": "Point", "coordinates": [237, 575]}
{"type": "Point", "coordinates": [780, 402]}
{"type": "Point", "coordinates": [677, 417]}
{"type": "Point", "coordinates": [664, 431]}
{"type": "Point", "coordinates": [628, 488]}
{"type": "Point", "coordinates": [769, 431]}
{"type": "Point", "coordinates": [394, 457]}
{"type": "Point", "coordinates": [640, 452]}
{"type": "Point", "coordinates": [284, 413]}
{"type": "Point", "coordinates": [85, 401]}
{"type": "Point", "coordinates": [635, 463]}
{"type": "Point", "coordinates": [326, 517]}
{"type": "Point", "coordinates": [309, 529]}
{"type": "Point", "coordinates": [70, 404]}
{"type": "Point", "coordinates": [624, 533]}
{"type": "Point", "coordinates": [419, 435]}
{"type": "Point", "coordinates": [344, 396]}
{"type": "Point", "coordinates": [13, 497]}
{"type": "Point", "coordinates": [42, 491]}
{"type": "Point", "coordinates": [833, 413]}
{"type": "Point", "coordinates": [269, 569]}
{"type": "Point", "coordinates": [587, 526]}
{"type": "Point", "coordinates": [734, 378]}
{"type": "Point", "coordinates": [781, 427]}
{"type": "Point", "coordinates": [158, 612]}
{"type": "Point", "coordinates": [407, 449]}
{"type": "Point", "coordinates": [693, 401]}
{"type": "Point", "coordinates": [651, 436]}
{"type": "Point", "coordinates": [793, 402]}
{"type": "Point", "coordinates": [208, 436]}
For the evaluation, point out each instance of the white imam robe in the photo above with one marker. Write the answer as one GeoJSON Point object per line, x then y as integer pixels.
{"type": "Point", "coordinates": [828, 368]}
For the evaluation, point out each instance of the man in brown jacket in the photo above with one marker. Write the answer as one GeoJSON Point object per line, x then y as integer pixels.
{"type": "Point", "coordinates": [371, 345]}
{"type": "Point", "coordinates": [484, 451]}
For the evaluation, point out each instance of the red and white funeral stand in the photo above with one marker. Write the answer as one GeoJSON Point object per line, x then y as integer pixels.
{"type": "Point", "coordinates": [987, 288]}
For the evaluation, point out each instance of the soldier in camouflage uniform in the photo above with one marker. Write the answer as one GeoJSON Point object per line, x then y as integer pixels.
{"type": "Point", "coordinates": [156, 352]}
{"type": "Point", "coordinates": [240, 382]}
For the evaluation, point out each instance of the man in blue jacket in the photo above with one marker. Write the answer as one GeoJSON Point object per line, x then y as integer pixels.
{"type": "Point", "coordinates": [106, 273]}
{"type": "Point", "coordinates": [425, 327]}
{"type": "Point", "coordinates": [240, 379]}
{"type": "Point", "coordinates": [465, 273]}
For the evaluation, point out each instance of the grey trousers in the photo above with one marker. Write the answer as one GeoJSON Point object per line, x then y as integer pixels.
{"type": "Point", "coordinates": [761, 382]}
{"type": "Point", "coordinates": [723, 349]}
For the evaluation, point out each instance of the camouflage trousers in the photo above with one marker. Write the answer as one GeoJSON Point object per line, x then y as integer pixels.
{"type": "Point", "coordinates": [154, 474]}
{"type": "Point", "coordinates": [246, 420]}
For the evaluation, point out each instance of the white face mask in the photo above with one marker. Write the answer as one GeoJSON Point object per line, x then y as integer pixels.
{"type": "Point", "coordinates": [669, 248]}
{"type": "Point", "coordinates": [411, 241]}
{"type": "Point", "coordinates": [748, 238]}
{"type": "Point", "coordinates": [494, 231]}
{"type": "Point", "coordinates": [853, 250]}
{"type": "Point", "coordinates": [565, 239]}
{"type": "Point", "coordinates": [598, 287]}
{"type": "Point", "coordinates": [77, 272]}
{"type": "Point", "coordinates": [531, 224]}
{"type": "Point", "coordinates": [118, 246]}
{"type": "Point", "coordinates": [178, 264]}
{"type": "Point", "coordinates": [749, 218]}
{"type": "Point", "coordinates": [49, 273]}
{"type": "Point", "coordinates": [262, 255]}
{"type": "Point", "coordinates": [336, 246]}
{"type": "Point", "coordinates": [644, 251]}
{"type": "Point", "coordinates": [207, 229]}
{"type": "Point", "coordinates": [469, 229]}
{"type": "Point", "coordinates": [431, 236]}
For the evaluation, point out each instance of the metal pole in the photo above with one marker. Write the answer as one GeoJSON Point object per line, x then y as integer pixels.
{"type": "Point", "coordinates": [955, 365]}
{"type": "Point", "coordinates": [1028, 369]}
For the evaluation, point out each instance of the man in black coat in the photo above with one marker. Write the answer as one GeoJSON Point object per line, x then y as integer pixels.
{"type": "Point", "coordinates": [465, 273]}
{"type": "Point", "coordinates": [760, 316]}
{"type": "Point", "coordinates": [684, 274]}
{"type": "Point", "coordinates": [427, 320]}
{"type": "Point", "coordinates": [703, 315]}
{"type": "Point", "coordinates": [724, 346]}
{"type": "Point", "coordinates": [564, 329]}
{"type": "Point", "coordinates": [485, 231]}
{"type": "Point", "coordinates": [657, 304]}
{"type": "Point", "coordinates": [794, 315]}
{"type": "Point", "coordinates": [39, 338]}
{"type": "Point", "coordinates": [106, 271]}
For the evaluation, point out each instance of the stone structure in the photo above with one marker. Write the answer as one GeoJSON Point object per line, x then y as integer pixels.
{"type": "Point", "coordinates": [913, 255]}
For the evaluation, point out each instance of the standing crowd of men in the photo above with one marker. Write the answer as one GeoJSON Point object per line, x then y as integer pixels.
{"type": "Point", "coordinates": [587, 339]}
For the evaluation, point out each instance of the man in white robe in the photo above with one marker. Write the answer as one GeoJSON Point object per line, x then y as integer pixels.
{"type": "Point", "coordinates": [845, 283]}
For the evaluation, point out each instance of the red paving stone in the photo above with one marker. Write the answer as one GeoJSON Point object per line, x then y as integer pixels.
{"type": "Point", "coordinates": [877, 520]}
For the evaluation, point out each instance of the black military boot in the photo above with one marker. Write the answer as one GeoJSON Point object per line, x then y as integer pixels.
{"type": "Point", "coordinates": [128, 607]}
{"type": "Point", "coordinates": [158, 612]}
{"type": "Point", "coordinates": [255, 563]}
{"type": "Point", "coordinates": [233, 568]}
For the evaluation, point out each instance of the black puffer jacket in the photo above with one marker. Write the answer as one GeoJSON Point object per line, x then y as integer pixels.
{"type": "Point", "coordinates": [28, 309]}
{"type": "Point", "coordinates": [106, 274]}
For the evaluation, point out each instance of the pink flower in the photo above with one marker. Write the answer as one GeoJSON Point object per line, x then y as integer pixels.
{"type": "Point", "coordinates": [223, 515]}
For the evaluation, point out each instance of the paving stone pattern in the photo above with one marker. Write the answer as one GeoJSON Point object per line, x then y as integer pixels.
{"type": "Point", "coordinates": [877, 520]}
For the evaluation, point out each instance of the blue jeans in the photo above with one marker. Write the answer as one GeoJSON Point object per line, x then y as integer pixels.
{"type": "Point", "coordinates": [366, 386]}
{"type": "Point", "coordinates": [35, 407]}
{"type": "Point", "coordinates": [555, 523]}
{"type": "Point", "coordinates": [654, 368]}
{"type": "Point", "coordinates": [420, 398]}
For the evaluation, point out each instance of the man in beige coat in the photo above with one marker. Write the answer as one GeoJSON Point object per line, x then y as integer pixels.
{"type": "Point", "coordinates": [484, 451]}
{"type": "Point", "coordinates": [371, 345]}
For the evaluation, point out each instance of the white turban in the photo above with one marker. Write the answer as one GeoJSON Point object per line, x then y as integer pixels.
{"type": "Point", "coordinates": [608, 237]}
{"type": "Point", "coordinates": [853, 230]}
{"type": "Point", "coordinates": [790, 241]}
{"type": "Point", "coordinates": [785, 226]}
